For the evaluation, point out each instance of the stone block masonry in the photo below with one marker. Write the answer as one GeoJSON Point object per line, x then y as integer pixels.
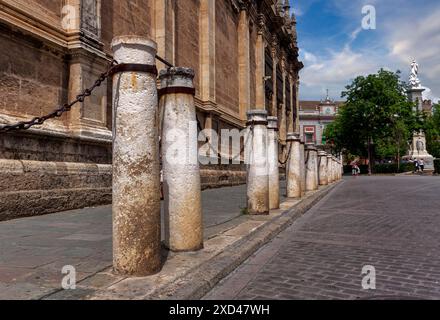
{"type": "Point", "coordinates": [35, 187]}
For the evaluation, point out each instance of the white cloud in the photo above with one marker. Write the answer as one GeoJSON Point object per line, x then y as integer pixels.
{"type": "Point", "coordinates": [334, 71]}
{"type": "Point", "coordinates": [409, 31]}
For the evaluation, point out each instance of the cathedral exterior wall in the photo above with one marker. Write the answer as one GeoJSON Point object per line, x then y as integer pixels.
{"type": "Point", "coordinates": [47, 59]}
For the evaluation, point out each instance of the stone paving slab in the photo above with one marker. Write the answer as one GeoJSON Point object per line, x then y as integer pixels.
{"type": "Point", "coordinates": [391, 223]}
{"type": "Point", "coordinates": [188, 276]}
{"type": "Point", "coordinates": [34, 250]}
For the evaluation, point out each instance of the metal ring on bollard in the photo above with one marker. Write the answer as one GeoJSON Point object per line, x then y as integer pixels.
{"type": "Point", "coordinates": [133, 67]}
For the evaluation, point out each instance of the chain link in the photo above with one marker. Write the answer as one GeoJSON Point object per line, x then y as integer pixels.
{"type": "Point", "coordinates": [287, 156]}
{"type": "Point", "coordinates": [38, 121]}
{"type": "Point", "coordinates": [219, 155]}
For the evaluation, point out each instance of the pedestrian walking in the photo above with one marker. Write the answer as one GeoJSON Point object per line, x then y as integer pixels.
{"type": "Point", "coordinates": [416, 166]}
{"type": "Point", "coordinates": [355, 169]}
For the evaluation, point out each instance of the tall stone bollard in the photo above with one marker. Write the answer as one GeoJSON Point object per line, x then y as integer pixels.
{"type": "Point", "coordinates": [181, 172]}
{"type": "Point", "coordinates": [323, 167]}
{"type": "Point", "coordinates": [335, 170]}
{"type": "Point", "coordinates": [256, 159]}
{"type": "Point", "coordinates": [311, 167]}
{"type": "Point", "coordinates": [303, 167]}
{"type": "Point", "coordinates": [294, 167]}
{"type": "Point", "coordinates": [272, 156]}
{"type": "Point", "coordinates": [136, 173]}
{"type": "Point", "coordinates": [329, 169]}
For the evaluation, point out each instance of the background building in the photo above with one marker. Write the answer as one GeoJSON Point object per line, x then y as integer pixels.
{"type": "Point", "coordinates": [244, 53]}
{"type": "Point", "coordinates": [314, 116]}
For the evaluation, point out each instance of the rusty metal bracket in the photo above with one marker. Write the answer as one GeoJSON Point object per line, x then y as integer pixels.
{"type": "Point", "coordinates": [132, 67]}
{"type": "Point", "coordinates": [256, 123]}
{"type": "Point", "coordinates": [176, 90]}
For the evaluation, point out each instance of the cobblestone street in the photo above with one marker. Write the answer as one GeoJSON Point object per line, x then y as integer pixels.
{"type": "Point", "coordinates": [391, 223]}
{"type": "Point", "coordinates": [34, 250]}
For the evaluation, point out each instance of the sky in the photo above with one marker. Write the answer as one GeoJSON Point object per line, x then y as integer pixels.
{"type": "Point", "coordinates": [335, 48]}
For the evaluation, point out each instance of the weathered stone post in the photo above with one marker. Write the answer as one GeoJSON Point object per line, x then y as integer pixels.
{"type": "Point", "coordinates": [272, 156]}
{"type": "Point", "coordinates": [303, 167]}
{"type": "Point", "coordinates": [334, 169]}
{"type": "Point", "coordinates": [323, 167]}
{"type": "Point", "coordinates": [311, 167]}
{"type": "Point", "coordinates": [294, 167]}
{"type": "Point", "coordinates": [136, 173]}
{"type": "Point", "coordinates": [256, 159]}
{"type": "Point", "coordinates": [341, 169]}
{"type": "Point", "coordinates": [329, 169]}
{"type": "Point", "coordinates": [181, 172]}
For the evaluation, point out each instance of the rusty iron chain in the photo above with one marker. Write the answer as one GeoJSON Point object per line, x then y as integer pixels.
{"type": "Point", "coordinates": [287, 156]}
{"type": "Point", "coordinates": [219, 155]}
{"type": "Point", "coordinates": [38, 121]}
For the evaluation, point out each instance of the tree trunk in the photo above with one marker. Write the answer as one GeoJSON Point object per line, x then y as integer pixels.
{"type": "Point", "coordinates": [370, 167]}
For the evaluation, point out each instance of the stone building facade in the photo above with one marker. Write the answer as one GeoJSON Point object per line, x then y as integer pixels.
{"type": "Point", "coordinates": [314, 116]}
{"type": "Point", "coordinates": [244, 53]}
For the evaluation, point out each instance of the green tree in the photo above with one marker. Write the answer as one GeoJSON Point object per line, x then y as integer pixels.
{"type": "Point", "coordinates": [376, 111]}
{"type": "Point", "coordinates": [432, 130]}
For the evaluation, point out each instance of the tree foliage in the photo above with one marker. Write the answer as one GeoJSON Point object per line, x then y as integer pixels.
{"type": "Point", "coordinates": [432, 130]}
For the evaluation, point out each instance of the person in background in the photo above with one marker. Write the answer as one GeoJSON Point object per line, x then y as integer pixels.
{"type": "Point", "coordinates": [416, 165]}
{"type": "Point", "coordinates": [422, 165]}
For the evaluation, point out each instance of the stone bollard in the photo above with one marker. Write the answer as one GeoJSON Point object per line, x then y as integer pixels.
{"type": "Point", "coordinates": [181, 172]}
{"type": "Point", "coordinates": [329, 169]}
{"type": "Point", "coordinates": [294, 167]}
{"type": "Point", "coordinates": [136, 173]}
{"type": "Point", "coordinates": [256, 160]}
{"type": "Point", "coordinates": [311, 167]}
{"type": "Point", "coordinates": [274, 171]}
{"type": "Point", "coordinates": [303, 168]}
{"type": "Point", "coordinates": [323, 176]}
{"type": "Point", "coordinates": [335, 170]}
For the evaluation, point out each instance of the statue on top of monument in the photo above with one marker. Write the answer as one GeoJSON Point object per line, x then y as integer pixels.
{"type": "Point", "coordinates": [414, 76]}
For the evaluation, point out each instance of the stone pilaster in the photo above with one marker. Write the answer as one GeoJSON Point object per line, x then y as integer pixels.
{"type": "Point", "coordinates": [260, 65]}
{"type": "Point", "coordinates": [207, 51]}
{"type": "Point", "coordinates": [165, 24]}
{"type": "Point", "coordinates": [244, 63]}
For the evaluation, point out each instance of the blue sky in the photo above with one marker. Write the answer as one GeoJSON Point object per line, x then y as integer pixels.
{"type": "Point", "coordinates": [335, 49]}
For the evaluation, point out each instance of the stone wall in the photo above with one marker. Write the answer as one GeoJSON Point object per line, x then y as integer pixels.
{"type": "Point", "coordinates": [226, 55]}
{"type": "Point", "coordinates": [187, 37]}
{"type": "Point", "coordinates": [43, 66]}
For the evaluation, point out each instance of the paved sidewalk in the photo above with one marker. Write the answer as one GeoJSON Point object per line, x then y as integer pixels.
{"type": "Point", "coordinates": [391, 223]}
{"type": "Point", "coordinates": [34, 250]}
